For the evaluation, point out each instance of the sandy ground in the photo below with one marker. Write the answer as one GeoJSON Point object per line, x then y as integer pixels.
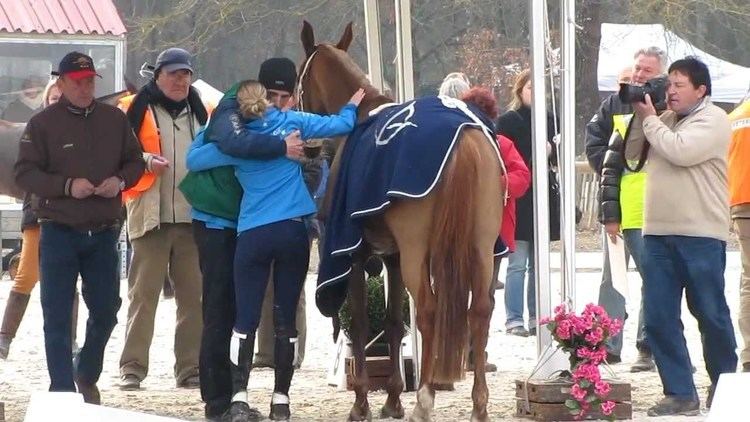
{"type": "Point", "coordinates": [312, 399]}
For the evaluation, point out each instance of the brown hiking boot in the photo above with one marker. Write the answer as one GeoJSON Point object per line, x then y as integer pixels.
{"type": "Point", "coordinates": [14, 310]}
{"type": "Point", "coordinates": [644, 363]}
{"type": "Point", "coordinates": [671, 406]}
{"type": "Point", "coordinates": [89, 391]}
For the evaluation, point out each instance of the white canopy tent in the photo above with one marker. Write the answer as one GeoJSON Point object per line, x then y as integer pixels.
{"type": "Point", "coordinates": [729, 81]}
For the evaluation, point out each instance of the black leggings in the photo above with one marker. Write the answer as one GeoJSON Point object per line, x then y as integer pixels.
{"type": "Point", "coordinates": [285, 246]}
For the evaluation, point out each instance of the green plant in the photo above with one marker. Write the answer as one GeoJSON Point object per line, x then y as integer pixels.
{"type": "Point", "coordinates": [376, 311]}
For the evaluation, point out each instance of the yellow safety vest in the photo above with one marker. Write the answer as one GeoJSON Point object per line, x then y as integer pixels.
{"type": "Point", "coordinates": [632, 185]}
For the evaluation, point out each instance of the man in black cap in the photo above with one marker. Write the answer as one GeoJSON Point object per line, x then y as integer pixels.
{"type": "Point", "coordinates": [165, 115]}
{"type": "Point", "coordinates": [76, 157]}
{"type": "Point", "coordinates": [216, 240]}
{"type": "Point", "coordinates": [278, 75]}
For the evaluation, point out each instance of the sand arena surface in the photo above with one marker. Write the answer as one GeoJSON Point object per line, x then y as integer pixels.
{"type": "Point", "coordinates": [312, 399]}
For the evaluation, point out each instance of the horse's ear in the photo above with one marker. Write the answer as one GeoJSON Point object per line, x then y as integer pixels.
{"type": "Point", "coordinates": [308, 38]}
{"type": "Point", "coordinates": [346, 38]}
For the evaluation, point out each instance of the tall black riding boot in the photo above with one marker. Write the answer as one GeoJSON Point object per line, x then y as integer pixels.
{"type": "Point", "coordinates": [241, 360]}
{"type": "Point", "coordinates": [285, 349]}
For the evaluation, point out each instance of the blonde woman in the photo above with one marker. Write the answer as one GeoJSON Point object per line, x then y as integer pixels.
{"type": "Point", "coordinates": [271, 236]}
{"type": "Point", "coordinates": [516, 125]}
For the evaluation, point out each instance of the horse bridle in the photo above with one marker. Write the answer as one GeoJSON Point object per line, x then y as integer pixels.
{"type": "Point", "coordinates": [300, 90]}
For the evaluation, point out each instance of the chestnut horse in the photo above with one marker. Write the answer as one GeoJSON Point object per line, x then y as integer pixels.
{"type": "Point", "coordinates": [439, 246]}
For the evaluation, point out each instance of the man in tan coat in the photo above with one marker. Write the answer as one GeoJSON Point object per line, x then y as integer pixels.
{"type": "Point", "coordinates": [686, 226]}
{"type": "Point", "coordinates": [165, 114]}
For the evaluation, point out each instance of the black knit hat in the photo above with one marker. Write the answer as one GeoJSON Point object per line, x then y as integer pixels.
{"type": "Point", "coordinates": [278, 73]}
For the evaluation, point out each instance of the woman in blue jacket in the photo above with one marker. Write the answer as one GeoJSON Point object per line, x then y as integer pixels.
{"type": "Point", "coordinates": [271, 236]}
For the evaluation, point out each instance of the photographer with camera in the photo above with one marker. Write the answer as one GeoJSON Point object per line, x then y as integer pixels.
{"type": "Point", "coordinates": [686, 227]}
{"type": "Point", "coordinates": [621, 193]}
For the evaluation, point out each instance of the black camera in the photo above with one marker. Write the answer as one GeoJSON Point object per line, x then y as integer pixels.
{"type": "Point", "coordinates": [656, 88]}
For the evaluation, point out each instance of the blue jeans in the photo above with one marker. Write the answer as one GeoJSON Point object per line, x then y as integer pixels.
{"type": "Point", "coordinates": [695, 264]}
{"type": "Point", "coordinates": [285, 247]}
{"type": "Point", "coordinates": [520, 263]}
{"type": "Point", "coordinates": [64, 253]}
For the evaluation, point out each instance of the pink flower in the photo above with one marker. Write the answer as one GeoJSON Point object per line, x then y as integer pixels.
{"type": "Point", "coordinates": [580, 325]}
{"type": "Point", "coordinates": [615, 327]}
{"type": "Point", "coordinates": [595, 337]}
{"type": "Point", "coordinates": [587, 371]}
{"type": "Point", "coordinates": [608, 407]}
{"type": "Point", "coordinates": [544, 321]}
{"type": "Point", "coordinates": [599, 355]}
{"type": "Point", "coordinates": [602, 388]}
{"type": "Point", "coordinates": [563, 329]}
{"type": "Point", "coordinates": [577, 392]}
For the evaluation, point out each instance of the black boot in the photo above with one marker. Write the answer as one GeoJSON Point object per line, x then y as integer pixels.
{"type": "Point", "coordinates": [241, 360]}
{"type": "Point", "coordinates": [283, 355]}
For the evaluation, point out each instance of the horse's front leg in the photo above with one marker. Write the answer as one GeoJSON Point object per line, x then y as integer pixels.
{"type": "Point", "coordinates": [394, 331]}
{"type": "Point", "coordinates": [359, 330]}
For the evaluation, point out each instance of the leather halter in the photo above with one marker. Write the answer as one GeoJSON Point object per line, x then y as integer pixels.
{"type": "Point", "coordinates": [300, 90]}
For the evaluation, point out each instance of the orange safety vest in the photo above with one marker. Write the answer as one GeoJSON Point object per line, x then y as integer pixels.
{"type": "Point", "coordinates": [739, 156]}
{"type": "Point", "coordinates": [150, 142]}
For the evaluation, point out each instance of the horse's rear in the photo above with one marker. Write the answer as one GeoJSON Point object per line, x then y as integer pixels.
{"type": "Point", "coordinates": [450, 234]}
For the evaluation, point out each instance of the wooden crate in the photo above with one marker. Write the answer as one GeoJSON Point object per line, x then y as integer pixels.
{"type": "Point", "coordinates": [378, 372]}
{"type": "Point", "coordinates": [546, 400]}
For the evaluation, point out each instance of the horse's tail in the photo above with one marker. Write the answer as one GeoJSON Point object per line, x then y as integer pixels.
{"type": "Point", "coordinates": [453, 259]}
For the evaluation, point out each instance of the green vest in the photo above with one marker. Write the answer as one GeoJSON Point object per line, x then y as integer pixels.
{"type": "Point", "coordinates": [215, 191]}
{"type": "Point", "coordinates": [632, 185]}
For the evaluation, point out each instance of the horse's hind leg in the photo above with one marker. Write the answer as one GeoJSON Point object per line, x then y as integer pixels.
{"type": "Point", "coordinates": [409, 222]}
{"type": "Point", "coordinates": [394, 331]}
{"type": "Point", "coordinates": [479, 324]}
{"type": "Point", "coordinates": [360, 328]}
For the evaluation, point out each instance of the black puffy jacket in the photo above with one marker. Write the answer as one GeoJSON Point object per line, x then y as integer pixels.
{"type": "Point", "coordinates": [599, 130]}
{"type": "Point", "coordinates": [613, 166]}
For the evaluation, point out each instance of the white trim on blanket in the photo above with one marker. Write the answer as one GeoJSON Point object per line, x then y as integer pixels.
{"type": "Point", "coordinates": [392, 193]}
{"type": "Point", "coordinates": [331, 280]}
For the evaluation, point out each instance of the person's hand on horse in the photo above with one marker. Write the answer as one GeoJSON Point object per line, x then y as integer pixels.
{"type": "Point", "coordinates": [294, 146]}
{"type": "Point", "coordinates": [357, 97]}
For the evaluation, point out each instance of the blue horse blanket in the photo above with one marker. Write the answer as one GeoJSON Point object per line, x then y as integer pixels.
{"type": "Point", "coordinates": [399, 152]}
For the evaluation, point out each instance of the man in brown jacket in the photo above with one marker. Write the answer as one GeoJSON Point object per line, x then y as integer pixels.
{"type": "Point", "coordinates": [76, 157]}
{"type": "Point", "coordinates": [165, 114]}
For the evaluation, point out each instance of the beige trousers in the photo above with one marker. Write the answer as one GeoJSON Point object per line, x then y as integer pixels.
{"type": "Point", "coordinates": [742, 228]}
{"type": "Point", "coordinates": [168, 248]}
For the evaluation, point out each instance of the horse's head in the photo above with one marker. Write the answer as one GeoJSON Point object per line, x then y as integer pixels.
{"type": "Point", "coordinates": [328, 76]}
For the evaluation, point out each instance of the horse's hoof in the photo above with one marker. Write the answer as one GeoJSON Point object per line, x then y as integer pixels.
{"type": "Point", "coordinates": [389, 412]}
{"type": "Point", "coordinates": [356, 415]}
{"type": "Point", "coordinates": [477, 418]}
{"type": "Point", "coordinates": [416, 418]}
